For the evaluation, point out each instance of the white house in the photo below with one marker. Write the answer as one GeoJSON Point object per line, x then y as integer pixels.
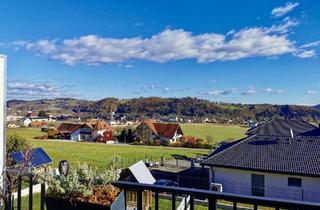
{"type": "Point", "coordinates": [83, 133]}
{"type": "Point", "coordinates": [149, 129]}
{"type": "Point", "coordinates": [26, 121]}
{"type": "Point", "coordinates": [75, 132]}
{"type": "Point", "coordinates": [278, 159]}
{"type": "Point", "coordinates": [99, 128]}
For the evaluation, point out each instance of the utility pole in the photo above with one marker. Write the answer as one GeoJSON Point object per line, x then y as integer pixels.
{"type": "Point", "coordinates": [3, 117]}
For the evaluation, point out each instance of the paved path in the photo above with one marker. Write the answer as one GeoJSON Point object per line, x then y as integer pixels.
{"type": "Point", "coordinates": [25, 192]}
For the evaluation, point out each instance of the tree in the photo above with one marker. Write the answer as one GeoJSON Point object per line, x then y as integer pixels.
{"type": "Point", "coordinates": [16, 143]}
{"type": "Point", "coordinates": [43, 114]}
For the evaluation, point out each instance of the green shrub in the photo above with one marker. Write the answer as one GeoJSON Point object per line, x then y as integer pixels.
{"type": "Point", "coordinates": [16, 143]}
{"type": "Point", "coordinates": [165, 143]}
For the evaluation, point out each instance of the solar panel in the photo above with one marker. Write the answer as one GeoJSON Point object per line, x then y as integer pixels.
{"type": "Point", "coordinates": [38, 157]}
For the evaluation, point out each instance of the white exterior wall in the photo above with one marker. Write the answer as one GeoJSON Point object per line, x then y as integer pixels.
{"type": "Point", "coordinates": [276, 185]}
{"type": "Point", "coordinates": [26, 122]}
{"type": "Point", "coordinates": [176, 137]}
{"type": "Point", "coordinates": [76, 136]}
{"type": "Point", "coordinates": [96, 133]}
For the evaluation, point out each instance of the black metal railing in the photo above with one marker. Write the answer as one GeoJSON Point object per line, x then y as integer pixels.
{"type": "Point", "coordinates": [211, 197]}
{"type": "Point", "coordinates": [16, 203]}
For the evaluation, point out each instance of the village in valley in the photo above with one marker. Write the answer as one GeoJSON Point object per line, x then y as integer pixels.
{"type": "Point", "coordinates": [160, 105]}
{"type": "Point", "coordinates": [145, 132]}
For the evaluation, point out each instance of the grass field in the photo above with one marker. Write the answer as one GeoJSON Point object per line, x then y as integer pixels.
{"type": "Point", "coordinates": [217, 132]}
{"type": "Point", "coordinates": [99, 154]}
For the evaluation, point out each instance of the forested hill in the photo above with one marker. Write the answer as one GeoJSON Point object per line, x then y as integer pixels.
{"type": "Point", "coordinates": [186, 108]}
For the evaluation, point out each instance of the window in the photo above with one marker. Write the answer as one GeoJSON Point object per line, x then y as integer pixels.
{"type": "Point", "coordinates": [294, 182]}
{"type": "Point", "coordinates": [257, 185]}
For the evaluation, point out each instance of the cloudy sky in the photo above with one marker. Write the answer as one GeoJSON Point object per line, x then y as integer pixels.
{"type": "Point", "coordinates": [230, 51]}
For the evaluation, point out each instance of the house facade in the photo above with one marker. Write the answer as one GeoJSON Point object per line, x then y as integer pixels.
{"type": "Point", "coordinates": [152, 130]}
{"type": "Point", "coordinates": [26, 121]}
{"type": "Point", "coordinates": [83, 133]}
{"type": "Point", "coordinates": [94, 131]}
{"type": "Point", "coordinates": [102, 131]}
{"type": "Point", "coordinates": [276, 185]}
{"type": "Point", "coordinates": [75, 132]}
{"type": "Point", "coordinates": [278, 159]}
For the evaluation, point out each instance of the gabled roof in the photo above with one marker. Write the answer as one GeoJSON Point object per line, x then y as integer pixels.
{"type": "Point", "coordinates": [150, 124]}
{"type": "Point", "coordinates": [68, 127]}
{"type": "Point", "coordinates": [315, 132]}
{"type": "Point", "coordinates": [71, 127]}
{"type": "Point", "coordinates": [298, 155]}
{"type": "Point", "coordinates": [271, 148]}
{"type": "Point", "coordinates": [101, 125]}
{"type": "Point", "coordinates": [167, 130]}
{"type": "Point", "coordinates": [281, 127]}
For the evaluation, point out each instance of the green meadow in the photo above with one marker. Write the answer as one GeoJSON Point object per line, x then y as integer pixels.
{"type": "Point", "coordinates": [217, 132]}
{"type": "Point", "coordinates": [98, 154]}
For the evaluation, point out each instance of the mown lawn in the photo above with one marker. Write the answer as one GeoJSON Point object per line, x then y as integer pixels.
{"type": "Point", "coordinates": [27, 133]}
{"type": "Point", "coordinates": [217, 132]}
{"type": "Point", "coordinates": [98, 154]}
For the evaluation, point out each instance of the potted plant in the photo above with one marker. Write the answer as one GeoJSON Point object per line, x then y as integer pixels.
{"type": "Point", "coordinates": [83, 188]}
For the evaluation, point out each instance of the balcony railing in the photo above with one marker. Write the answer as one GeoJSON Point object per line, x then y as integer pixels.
{"type": "Point", "coordinates": [211, 197]}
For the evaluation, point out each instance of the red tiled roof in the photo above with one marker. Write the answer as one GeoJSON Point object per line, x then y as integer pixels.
{"type": "Point", "coordinates": [101, 125]}
{"type": "Point", "coordinates": [163, 129]}
{"type": "Point", "coordinates": [69, 127]}
{"type": "Point", "coordinates": [167, 129]}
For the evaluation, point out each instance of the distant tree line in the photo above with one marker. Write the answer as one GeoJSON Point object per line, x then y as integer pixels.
{"type": "Point", "coordinates": [184, 108]}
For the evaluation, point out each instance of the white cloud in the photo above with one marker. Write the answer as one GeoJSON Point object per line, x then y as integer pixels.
{"type": "Point", "coordinates": [282, 10]}
{"type": "Point", "coordinates": [171, 45]}
{"type": "Point", "coordinates": [250, 91]}
{"type": "Point", "coordinates": [129, 66]}
{"type": "Point", "coordinates": [301, 53]}
{"type": "Point", "coordinates": [311, 92]}
{"type": "Point", "coordinates": [27, 90]}
{"type": "Point", "coordinates": [221, 92]}
{"type": "Point", "coordinates": [271, 90]}
{"type": "Point", "coordinates": [312, 44]}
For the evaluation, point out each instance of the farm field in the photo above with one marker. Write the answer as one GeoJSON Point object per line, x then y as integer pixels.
{"type": "Point", "coordinates": [217, 132]}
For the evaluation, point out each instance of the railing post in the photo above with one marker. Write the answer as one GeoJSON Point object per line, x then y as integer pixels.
{"type": "Point", "coordinates": [9, 202]}
{"type": "Point", "coordinates": [43, 192]}
{"type": "Point", "coordinates": [255, 207]}
{"type": "Point", "coordinates": [156, 201]}
{"type": "Point", "coordinates": [173, 204]}
{"type": "Point", "coordinates": [191, 202]}
{"type": "Point", "coordinates": [30, 192]}
{"type": "Point", "coordinates": [212, 203]}
{"type": "Point", "coordinates": [234, 205]}
{"type": "Point", "coordinates": [19, 193]}
{"type": "Point", "coordinates": [139, 200]}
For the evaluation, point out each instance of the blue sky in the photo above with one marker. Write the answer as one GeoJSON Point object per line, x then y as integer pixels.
{"type": "Point", "coordinates": [230, 51]}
